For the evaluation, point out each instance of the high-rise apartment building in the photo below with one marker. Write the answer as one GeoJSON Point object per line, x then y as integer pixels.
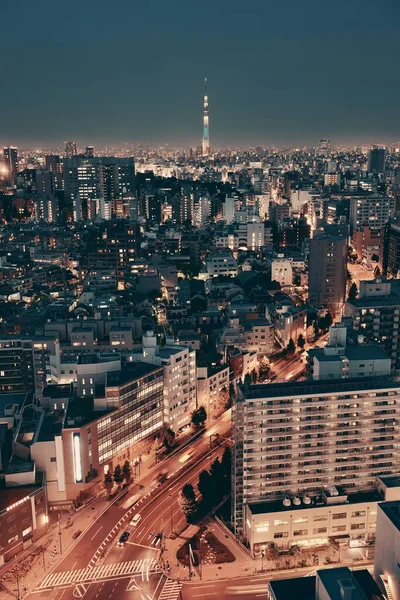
{"type": "Point", "coordinates": [376, 160]}
{"type": "Point", "coordinates": [292, 439]}
{"type": "Point", "coordinates": [11, 161]}
{"type": "Point", "coordinates": [16, 364]}
{"type": "Point", "coordinates": [373, 211]}
{"type": "Point", "coordinates": [70, 149]}
{"type": "Point", "coordinates": [206, 129]}
{"type": "Point", "coordinates": [327, 270]}
{"type": "Point", "coordinates": [99, 177]}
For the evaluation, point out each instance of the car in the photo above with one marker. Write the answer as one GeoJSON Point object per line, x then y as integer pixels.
{"type": "Point", "coordinates": [135, 520]}
{"type": "Point", "coordinates": [123, 538]}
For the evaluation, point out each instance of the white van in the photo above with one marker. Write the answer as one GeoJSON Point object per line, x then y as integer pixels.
{"type": "Point", "coordinates": [135, 520]}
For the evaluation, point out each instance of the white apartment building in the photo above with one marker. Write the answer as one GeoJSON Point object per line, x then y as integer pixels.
{"type": "Point", "coordinates": [282, 271]}
{"type": "Point", "coordinates": [180, 378]}
{"type": "Point", "coordinates": [373, 210]}
{"type": "Point", "coordinates": [303, 437]}
{"type": "Point", "coordinates": [221, 263]}
{"type": "Point", "coordinates": [210, 383]}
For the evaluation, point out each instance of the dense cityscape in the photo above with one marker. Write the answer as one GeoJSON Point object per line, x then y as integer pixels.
{"type": "Point", "coordinates": [199, 341]}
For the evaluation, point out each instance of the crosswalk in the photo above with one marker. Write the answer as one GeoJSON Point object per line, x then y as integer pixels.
{"type": "Point", "coordinates": [89, 574]}
{"type": "Point", "coordinates": [171, 590]}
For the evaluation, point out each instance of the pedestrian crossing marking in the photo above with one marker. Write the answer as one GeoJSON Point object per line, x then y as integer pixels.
{"type": "Point", "coordinates": [171, 590]}
{"type": "Point", "coordinates": [90, 574]}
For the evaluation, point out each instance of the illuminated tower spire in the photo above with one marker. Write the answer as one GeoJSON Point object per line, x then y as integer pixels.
{"type": "Point", "coordinates": [206, 133]}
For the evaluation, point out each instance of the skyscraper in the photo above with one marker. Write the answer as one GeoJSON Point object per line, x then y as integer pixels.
{"type": "Point", "coordinates": [206, 133]}
{"type": "Point", "coordinates": [11, 160]}
{"type": "Point", "coordinates": [376, 160]}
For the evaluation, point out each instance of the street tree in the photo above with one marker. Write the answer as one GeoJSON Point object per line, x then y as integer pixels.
{"type": "Point", "coordinates": [168, 438]}
{"type": "Point", "coordinates": [247, 379]}
{"type": "Point", "coordinates": [199, 417]}
{"type": "Point", "coordinates": [291, 348]}
{"type": "Point", "coordinates": [127, 472]}
{"type": "Point", "coordinates": [232, 394]}
{"type": "Point", "coordinates": [188, 502]}
{"type": "Point", "coordinates": [377, 272]}
{"type": "Point", "coordinates": [206, 488]}
{"type": "Point", "coordinates": [253, 376]}
{"type": "Point", "coordinates": [224, 398]}
{"type": "Point", "coordinates": [264, 368]}
{"type": "Point", "coordinates": [108, 482]}
{"type": "Point", "coordinates": [301, 342]}
{"type": "Point", "coordinates": [353, 291]}
{"type": "Point", "coordinates": [118, 475]}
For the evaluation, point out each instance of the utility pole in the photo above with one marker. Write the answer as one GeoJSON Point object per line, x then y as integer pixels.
{"type": "Point", "coordinates": [59, 532]}
{"type": "Point", "coordinates": [18, 594]}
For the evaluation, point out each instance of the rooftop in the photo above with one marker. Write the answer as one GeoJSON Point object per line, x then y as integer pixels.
{"type": "Point", "coordinates": [392, 511]}
{"type": "Point", "coordinates": [306, 388]}
{"type": "Point", "coordinates": [273, 506]}
{"type": "Point", "coordinates": [130, 373]}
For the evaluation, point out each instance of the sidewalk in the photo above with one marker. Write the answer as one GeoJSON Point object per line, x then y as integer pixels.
{"type": "Point", "coordinates": [46, 550]}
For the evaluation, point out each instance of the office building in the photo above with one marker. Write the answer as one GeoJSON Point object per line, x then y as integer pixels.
{"type": "Point", "coordinates": [10, 154]}
{"type": "Point", "coordinates": [296, 439]}
{"type": "Point", "coordinates": [327, 270]}
{"type": "Point", "coordinates": [371, 210]}
{"type": "Point", "coordinates": [376, 316]}
{"type": "Point", "coordinates": [376, 160]}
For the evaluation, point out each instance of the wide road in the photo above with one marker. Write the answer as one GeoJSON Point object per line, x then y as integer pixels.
{"type": "Point", "coordinates": [160, 511]}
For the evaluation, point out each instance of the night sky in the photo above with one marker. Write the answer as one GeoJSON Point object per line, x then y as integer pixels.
{"type": "Point", "coordinates": [279, 72]}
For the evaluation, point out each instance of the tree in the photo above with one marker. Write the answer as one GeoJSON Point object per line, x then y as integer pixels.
{"type": "Point", "coordinates": [188, 502]}
{"type": "Point", "coordinates": [377, 272]}
{"type": "Point", "coordinates": [206, 488]}
{"type": "Point", "coordinates": [301, 342]}
{"type": "Point", "coordinates": [328, 320]}
{"type": "Point", "coordinates": [154, 449]}
{"type": "Point", "coordinates": [232, 394]}
{"type": "Point", "coordinates": [291, 348]}
{"type": "Point", "coordinates": [316, 328]}
{"type": "Point", "coordinates": [169, 438]}
{"type": "Point", "coordinates": [353, 291]}
{"type": "Point", "coordinates": [108, 482]}
{"type": "Point", "coordinates": [127, 472]}
{"type": "Point", "coordinates": [253, 376]}
{"type": "Point", "coordinates": [199, 417]}
{"type": "Point", "coordinates": [247, 379]}
{"type": "Point", "coordinates": [295, 549]}
{"type": "Point", "coordinates": [272, 551]}
{"type": "Point", "coordinates": [217, 476]}
{"type": "Point", "coordinates": [264, 368]}
{"type": "Point", "coordinates": [118, 476]}
{"type": "Point", "coordinates": [224, 398]}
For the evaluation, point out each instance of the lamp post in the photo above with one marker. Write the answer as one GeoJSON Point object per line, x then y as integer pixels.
{"type": "Point", "coordinates": [59, 532]}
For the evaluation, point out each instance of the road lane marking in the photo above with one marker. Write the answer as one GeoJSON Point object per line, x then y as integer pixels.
{"type": "Point", "coordinates": [92, 538]}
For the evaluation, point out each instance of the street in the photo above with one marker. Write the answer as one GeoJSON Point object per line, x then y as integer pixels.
{"type": "Point", "coordinates": [97, 567]}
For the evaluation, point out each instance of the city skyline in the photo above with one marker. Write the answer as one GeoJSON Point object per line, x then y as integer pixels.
{"type": "Point", "coordinates": [276, 76]}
